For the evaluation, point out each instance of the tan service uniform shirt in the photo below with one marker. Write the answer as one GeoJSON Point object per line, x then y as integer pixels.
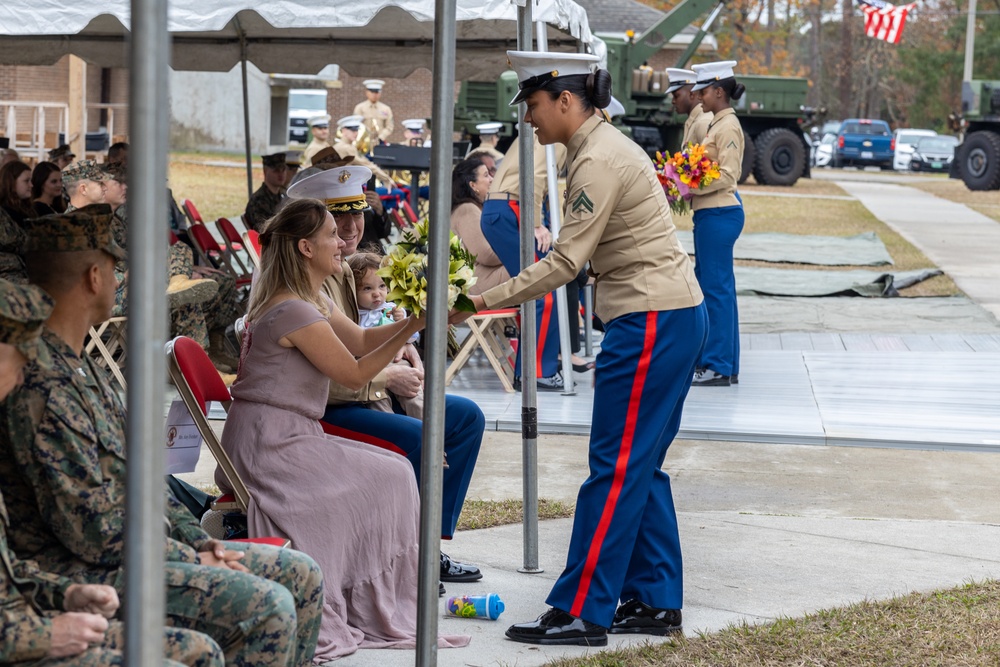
{"type": "Point", "coordinates": [507, 178]}
{"type": "Point", "coordinates": [724, 144]}
{"type": "Point", "coordinates": [378, 118]}
{"type": "Point", "coordinates": [311, 150]}
{"type": "Point", "coordinates": [696, 125]}
{"type": "Point", "coordinates": [340, 288]}
{"type": "Point", "coordinates": [616, 216]}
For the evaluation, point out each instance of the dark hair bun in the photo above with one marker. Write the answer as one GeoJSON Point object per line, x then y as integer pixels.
{"type": "Point", "coordinates": [738, 91]}
{"type": "Point", "coordinates": [599, 88]}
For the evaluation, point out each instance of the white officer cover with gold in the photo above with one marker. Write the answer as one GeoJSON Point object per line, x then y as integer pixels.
{"type": "Point", "coordinates": [710, 73]}
{"type": "Point", "coordinates": [340, 188]}
{"type": "Point", "coordinates": [534, 69]}
{"type": "Point", "coordinates": [680, 78]}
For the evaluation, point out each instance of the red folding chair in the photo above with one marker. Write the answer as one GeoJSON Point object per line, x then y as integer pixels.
{"type": "Point", "coordinates": [198, 382]}
{"type": "Point", "coordinates": [191, 211]}
{"type": "Point", "coordinates": [212, 253]}
{"type": "Point", "coordinates": [234, 244]}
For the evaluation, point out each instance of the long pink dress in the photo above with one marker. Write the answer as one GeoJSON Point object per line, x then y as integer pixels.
{"type": "Point", "coordinates": [352, 507]}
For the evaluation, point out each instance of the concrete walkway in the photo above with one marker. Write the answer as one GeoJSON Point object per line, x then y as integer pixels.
{"type": "Point", "coordinates": [960, 241]}
{"type": "Point", "coordinates": [767, 531]}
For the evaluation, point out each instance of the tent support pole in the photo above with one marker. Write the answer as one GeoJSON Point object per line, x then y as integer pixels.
{"type": "Point", "coordinates": [145, 595]}
{"type": "Point", "coordinates": [529, 340]}
{"type": "Point", "coordinates": [436, 336]}
{"type": "Point", "coordinates": [246, 108]}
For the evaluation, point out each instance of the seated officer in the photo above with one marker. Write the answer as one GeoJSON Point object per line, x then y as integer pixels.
{"type": "Point", "coordinates": [45, 616]}
{"type": "Point", "coordinates": [62, 469]}
{"type": "Point", "coordinates": [351, 411]}
{"type": "Point", "coordinates": [264, 202]}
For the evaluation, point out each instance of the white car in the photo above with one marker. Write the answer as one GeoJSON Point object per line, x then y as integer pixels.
{"type": "Point", "coordinates": [824, 150]}
{"type": "Point", "coordinates": [905, 140]}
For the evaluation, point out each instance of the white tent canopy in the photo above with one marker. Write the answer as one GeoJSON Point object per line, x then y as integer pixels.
{"type": "Point", "coordinates": [388, 38]}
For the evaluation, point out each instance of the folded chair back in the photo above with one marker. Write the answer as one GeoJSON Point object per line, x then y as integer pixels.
{"type": "Point", "coordinates": [198, 382]}
{"type": "Point", "coordinates": [252, 244]}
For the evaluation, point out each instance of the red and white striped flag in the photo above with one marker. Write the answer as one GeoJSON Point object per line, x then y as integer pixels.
{"type": "Point", "coordinates": [884, 21]}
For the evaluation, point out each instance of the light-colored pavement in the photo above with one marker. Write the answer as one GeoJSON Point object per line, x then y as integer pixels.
{"type": "Point", "coordinates": [767, 531]}
{"type": "Point", "coordinates": [957, 239]}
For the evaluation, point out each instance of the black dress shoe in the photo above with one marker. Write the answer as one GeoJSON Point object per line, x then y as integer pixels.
{"type": "Point", "coordinates": [734, 379]}
{"type": "Point", "coordinates": [706, 377]}
{"type": "Point", "coordinates": [637, 618]}
{"type": "Point", "coordinates": [441, 590]}
{"type": "Point", "coordinates": [452, 570]}
{"type": "Point", "coordinates": [556, 627]}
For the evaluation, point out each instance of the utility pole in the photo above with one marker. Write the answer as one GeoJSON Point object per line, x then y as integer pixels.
{"type": "Point", "coordinates": [970, 41]}
{"type": "Point", "coordinates": [846, 57]}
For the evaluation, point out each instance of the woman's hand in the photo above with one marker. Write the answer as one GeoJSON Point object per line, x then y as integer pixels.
{"type": "Point", "coordinates": [459, 316]}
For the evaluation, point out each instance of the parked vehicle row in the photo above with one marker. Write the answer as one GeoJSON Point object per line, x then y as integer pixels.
{"type": "Point", "coordinates": [863, 142]}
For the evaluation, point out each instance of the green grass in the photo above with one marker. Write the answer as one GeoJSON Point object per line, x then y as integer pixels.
{"type": "Point", "coordinates": [957, 627]}
{"type": "Point", "coordinates": [987, 203]}
{"type": "Point", "coordinates": [477, 514]}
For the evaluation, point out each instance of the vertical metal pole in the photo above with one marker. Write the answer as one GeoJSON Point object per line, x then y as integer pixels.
{"type": "Point", "coordinates": [246, 109]}
{"type": "Point", "coordinates": [147, 328]}
{"type": "Point", "coordinates": [555, 219]}
{"type": "Point", "coordinates": [970, 41]}
{"type": "Point", "coordinates": [588, 320]}
{"type": "Point", "coordinates": [529, 398]}
{"type": "Point", "coordinates": [431, 470]}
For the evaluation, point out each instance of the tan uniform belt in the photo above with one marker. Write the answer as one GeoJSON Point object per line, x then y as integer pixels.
{"type": "Point", "coordinates": [504, 196]}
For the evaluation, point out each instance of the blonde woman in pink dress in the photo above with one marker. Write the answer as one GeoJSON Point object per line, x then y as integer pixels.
{"type": "Point", "coordinates": [352, 507]}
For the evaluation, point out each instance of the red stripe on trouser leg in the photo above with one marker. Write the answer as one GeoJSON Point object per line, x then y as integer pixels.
{"type": "Point", "coordinates": [347, 434]}
{"type": "Point", "coordinates": [621, 465]}
{"type": "Point", "coordinates": [543, 332]}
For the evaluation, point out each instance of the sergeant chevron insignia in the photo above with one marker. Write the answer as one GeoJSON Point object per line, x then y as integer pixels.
{"type": "Point", "coordinates": [583, 203]}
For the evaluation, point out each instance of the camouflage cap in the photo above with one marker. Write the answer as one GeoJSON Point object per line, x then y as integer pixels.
{"type": "Point", "coordinates": [116, 171]}
{"type": "Point", "coordinates": [84, 170]}
{"type": "Point", "coordinates": [87, 228]}
{"type": "Point", "coordinates": [273, 161]}
{"type": "Point", "coordinates": [61, 151]}
{"type": "Point", "coordinates": [23, 310]}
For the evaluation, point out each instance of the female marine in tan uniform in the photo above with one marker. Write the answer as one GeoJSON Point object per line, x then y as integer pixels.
{"type": "Point", "coordinates": [625, 544]}
{"type": "Point", "coordinates": [718, 221]}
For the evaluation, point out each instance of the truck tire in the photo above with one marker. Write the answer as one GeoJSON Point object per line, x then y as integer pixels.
{"type": "Point", "coordinates": [781, 157]}
{"type": "Point", "coordinates": [980, 161]}
{"type": "Point", "coordinates": [749, 153]}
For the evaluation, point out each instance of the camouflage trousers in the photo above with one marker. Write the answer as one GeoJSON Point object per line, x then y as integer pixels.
{"type": "Point", "coordinates": [272, 618]}
{"type": "Point", "coordinates": [180, 648]}
{"type": "Point", "coordinates": [192, 320]}
{"type": "Point", "coordinates": [195, 321]}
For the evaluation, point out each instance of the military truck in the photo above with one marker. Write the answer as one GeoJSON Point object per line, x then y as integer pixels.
{"type": "Point", "coordinates": [772, 112]}
{"type": "Point", "coordinates": [977, 160]}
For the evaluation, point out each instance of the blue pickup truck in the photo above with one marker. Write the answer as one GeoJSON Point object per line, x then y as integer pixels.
{"type": "Point", "coordinates": [862, 142]}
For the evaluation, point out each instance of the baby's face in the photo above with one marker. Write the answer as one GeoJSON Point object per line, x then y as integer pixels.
{"type": "Point", "coordinates": [372, 291]}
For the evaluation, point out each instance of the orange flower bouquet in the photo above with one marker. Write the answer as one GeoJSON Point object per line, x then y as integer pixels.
{"type": "Point", "coordinates": [686, 170]}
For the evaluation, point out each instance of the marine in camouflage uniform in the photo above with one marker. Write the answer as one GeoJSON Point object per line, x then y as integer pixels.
{"type": "Point", "coordinates": [62, 468]}
{"type": "Point", "coordinates": [264, 202]}
{"type": "Point", "coordinates": [31, 600]}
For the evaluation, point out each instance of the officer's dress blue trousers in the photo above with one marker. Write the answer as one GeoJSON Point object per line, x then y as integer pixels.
{"type": "Point", "coordinates": [625, 543]}
{"type": "Point", "coordinates": [500, 223]}
{"type": "Point", "coordinates": [463, 434]}
{"type": "Point", "coordinates": [715, 234]}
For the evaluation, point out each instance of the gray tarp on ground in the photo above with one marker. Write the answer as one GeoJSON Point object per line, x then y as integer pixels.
{"type": "Point", "coordinates": [794, 282]}
{"type": "Point", "coordinates": [862, 250]}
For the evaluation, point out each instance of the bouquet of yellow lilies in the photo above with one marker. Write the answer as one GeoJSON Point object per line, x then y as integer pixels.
{"type": "Point", "coordinates": [405, 272]}
{"type": "Point", "coordinates": [686, 170]}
